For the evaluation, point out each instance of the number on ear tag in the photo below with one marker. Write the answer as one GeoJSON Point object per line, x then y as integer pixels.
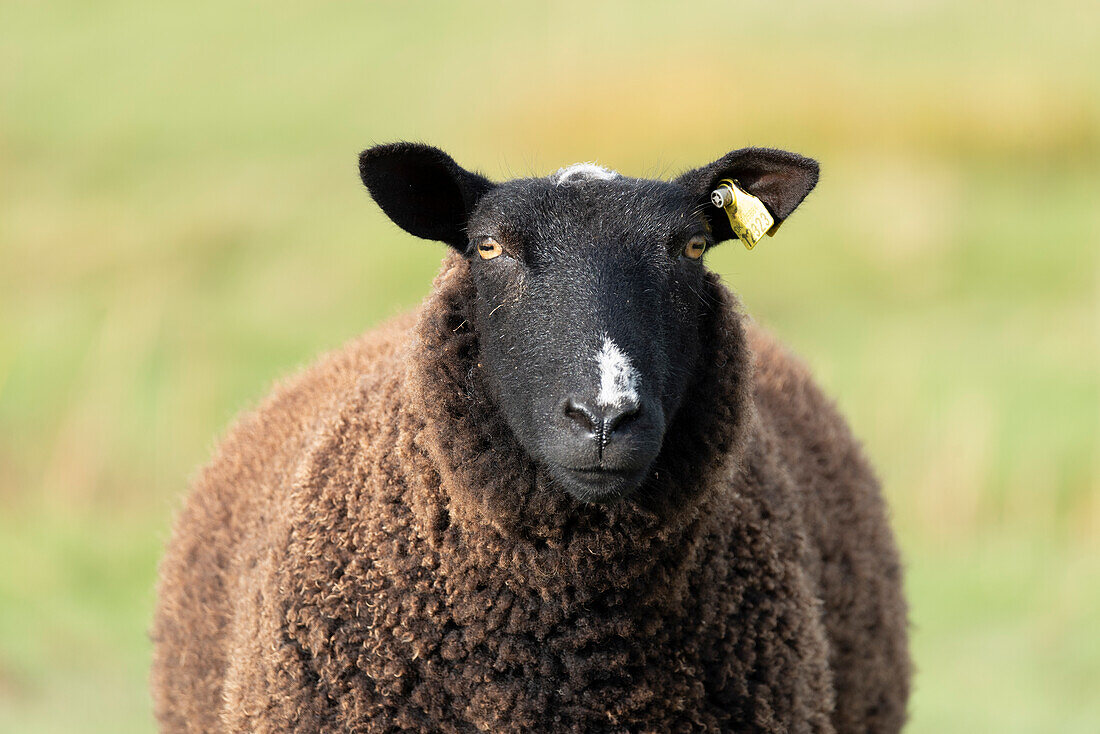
{"type": "Point", "coordinates": [749, 218]}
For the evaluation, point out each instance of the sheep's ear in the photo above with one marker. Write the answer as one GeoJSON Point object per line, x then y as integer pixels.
{"type": "Point", "coordinates": [778, 178]}
{"type": "Point", "coordinates": [423, 190]}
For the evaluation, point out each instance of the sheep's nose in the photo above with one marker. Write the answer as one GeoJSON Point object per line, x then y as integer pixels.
{"type": "Point", "coordinates": [601, 421]}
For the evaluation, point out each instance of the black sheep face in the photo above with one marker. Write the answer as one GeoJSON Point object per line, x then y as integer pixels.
{"type": "Point", "coordinates": [590, 292]}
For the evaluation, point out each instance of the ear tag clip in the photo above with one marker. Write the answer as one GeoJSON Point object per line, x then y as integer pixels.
{"type": "Point", "coordinates": [749, 218]}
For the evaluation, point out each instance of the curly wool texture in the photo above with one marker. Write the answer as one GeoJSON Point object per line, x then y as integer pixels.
{"type": "Point", "coordinates": [371, 550]}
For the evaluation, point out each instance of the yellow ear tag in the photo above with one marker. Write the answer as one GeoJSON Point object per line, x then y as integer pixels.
{"type": "Point", "coordinates": [749, 218]}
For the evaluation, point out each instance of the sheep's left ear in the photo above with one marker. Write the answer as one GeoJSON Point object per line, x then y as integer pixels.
{"type": "Point", "coordinates": [779, 179]}
{"type": "Point", "coordinates": [423, 190]}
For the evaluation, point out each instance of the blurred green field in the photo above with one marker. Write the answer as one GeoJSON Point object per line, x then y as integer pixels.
{"type": "Point", "coordinates": [181, 223]}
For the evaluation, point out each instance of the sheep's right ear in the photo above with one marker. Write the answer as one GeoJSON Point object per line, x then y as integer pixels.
{"type": "Point", "coordinates": [779, 179]}
{"type": "Point", "coordinates": [423, 190]}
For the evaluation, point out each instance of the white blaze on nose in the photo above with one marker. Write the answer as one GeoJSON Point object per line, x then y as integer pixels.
{"type": "Point", "coordinates": [618, 378]}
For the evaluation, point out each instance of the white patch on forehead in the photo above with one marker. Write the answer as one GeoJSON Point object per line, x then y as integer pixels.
{"type": "Point", "coordinates": [579, 172]}
{"type": "Point", "coordinates": [618, 378]}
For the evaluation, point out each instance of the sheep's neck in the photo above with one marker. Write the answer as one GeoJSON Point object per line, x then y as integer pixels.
{"type": "Point", "coordinates": [476, 481]}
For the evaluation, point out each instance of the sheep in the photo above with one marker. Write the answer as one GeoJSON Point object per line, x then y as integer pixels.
{"type": "Point", "coordinates": [576, 490]}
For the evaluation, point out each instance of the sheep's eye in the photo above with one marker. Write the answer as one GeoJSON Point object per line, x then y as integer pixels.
{"type": "Point", "coordinates": [488, 249]}
{"type": "Point", "coordinates": [693, 250]}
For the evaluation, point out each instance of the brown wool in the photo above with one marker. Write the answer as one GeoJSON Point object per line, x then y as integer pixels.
{"type": "Point", "coordinates": [371, 550]}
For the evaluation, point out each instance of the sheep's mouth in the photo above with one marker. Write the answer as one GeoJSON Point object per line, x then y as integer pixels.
{"type": "Point", "coordinates": [599, 471]}
{"type": "Point", "coordinates": [600, 484]}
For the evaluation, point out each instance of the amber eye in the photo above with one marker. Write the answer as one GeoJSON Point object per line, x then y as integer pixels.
{"type": "Point", "coordinates": [489, 249]}
{"type": "Point", "coordinates": [693, 250]}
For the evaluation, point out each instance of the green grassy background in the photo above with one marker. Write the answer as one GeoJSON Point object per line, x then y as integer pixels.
{"type": "Point", "coordinates": [181, 223]}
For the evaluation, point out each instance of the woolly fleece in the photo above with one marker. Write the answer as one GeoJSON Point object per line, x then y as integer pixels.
{"type": "Point", "coordinates": [370, 550]}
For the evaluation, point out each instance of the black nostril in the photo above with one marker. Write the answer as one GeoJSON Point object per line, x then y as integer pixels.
{"type": "Point", "coordinates": [582, 414]}
{"type": "Point", "coordinates": [600, 421]}
{"type": "Point", "coordinates": [616, 418]}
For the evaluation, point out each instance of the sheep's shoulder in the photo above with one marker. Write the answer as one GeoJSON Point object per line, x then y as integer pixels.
{"type": "Point", "coordinates": [220, 573]}
{"type": "Point", "coordinates": [851, 552]}
{"type": "Point", "coordinates": [788, 398]}
{"type": "Point", "coordinates": [264, 443]}
{"type": "Point", "coordinates": [840, 499]}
